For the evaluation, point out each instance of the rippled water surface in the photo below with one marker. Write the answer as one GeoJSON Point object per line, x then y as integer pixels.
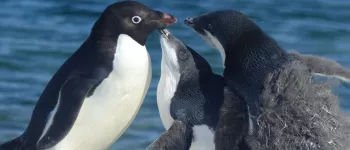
{"type": "Point", "coordinates": [37, 36]}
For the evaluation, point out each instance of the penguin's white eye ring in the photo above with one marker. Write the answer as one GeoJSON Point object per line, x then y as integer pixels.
{"type": "Point", "coordinates": [136, 19]}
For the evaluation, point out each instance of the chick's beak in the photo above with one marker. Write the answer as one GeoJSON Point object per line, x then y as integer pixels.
{"type": "Point", "coordinates": [164, 32]}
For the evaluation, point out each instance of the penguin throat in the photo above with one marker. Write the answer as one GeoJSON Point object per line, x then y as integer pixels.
{"type": "Point", "coordinates": [169, 79]}
{"type": "Point", "coordinates": [169, 57]}
{"type": "Point", "coordinates": [129, 56]}
{"type": "Point", "coordinates": [214, 42]}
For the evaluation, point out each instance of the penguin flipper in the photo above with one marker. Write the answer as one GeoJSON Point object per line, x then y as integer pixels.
{"type": "Point", "coordinates": [320, 66]}
{"type": "Point", "coordinates": [70, 99]}
{"type": "Point", "coordinates": [177, 137]}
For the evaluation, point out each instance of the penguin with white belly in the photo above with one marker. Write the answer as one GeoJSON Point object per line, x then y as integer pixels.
{"type": "Point", "coordinates": [189, 99]}
{"type": "Point", "coordinates": [95, 95]}
{"type": "Point", "coordinates": [286, 109]}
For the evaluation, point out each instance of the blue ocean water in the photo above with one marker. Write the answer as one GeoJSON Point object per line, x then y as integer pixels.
{"type": "Point", "coordinates": [37, 36]}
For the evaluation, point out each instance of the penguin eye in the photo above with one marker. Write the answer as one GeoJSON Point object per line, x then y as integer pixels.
{"type": "Point", "coordinates": [209, 27]}
{"type": "Point", "coordinates": [182, 55]}
{"type": "Point", "coordinates": [136, 19]}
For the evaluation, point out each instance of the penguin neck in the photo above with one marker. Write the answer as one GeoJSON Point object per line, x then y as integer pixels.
{"type": "Point", "coordinates": [170, 72]}
{"type": "Point", "coordinates": [201, 64]}
{"type": "Point", "coordinates": [105, 29]}
{"type": "Point", "coordinates": [252, 57]}
{"type": "Point", "coordinates": [130, 57]}
{"type": "Point", "coordinates": [169, 79]}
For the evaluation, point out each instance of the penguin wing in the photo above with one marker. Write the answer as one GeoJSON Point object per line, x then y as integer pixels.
{"type": "Point", "coordinates": [177, 137]}
{"type": "Point", "coordinates": [323, 67]}
{"type": "Point", "coordinates": [70, 99]}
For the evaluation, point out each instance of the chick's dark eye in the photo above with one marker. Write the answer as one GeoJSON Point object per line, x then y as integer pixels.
{"type": "Point", "coordinates": [136, 19]}
{"type": "Point", "coordinates": [182, 55]}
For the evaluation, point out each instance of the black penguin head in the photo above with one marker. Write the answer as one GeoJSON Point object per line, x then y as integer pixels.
{"type": "Point", "coordinates": [131, 18]}
{"type": "Point", "coordinates": [221, 28]}
{"type": "Point", "coordinates": [181, 58]}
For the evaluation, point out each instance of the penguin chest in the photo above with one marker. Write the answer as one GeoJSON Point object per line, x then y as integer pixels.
{"type": "Point", "coordinates": [203, 138]}
{"type": "Point", "coordinates": [109, 111]}
{"type": "Point", "coordinates": [165, 92]}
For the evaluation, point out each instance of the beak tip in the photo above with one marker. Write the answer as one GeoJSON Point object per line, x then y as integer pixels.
{"type": "Point", "coordinates": [189, 21]}
{"type": "Point", "coordinates": [168, 20]}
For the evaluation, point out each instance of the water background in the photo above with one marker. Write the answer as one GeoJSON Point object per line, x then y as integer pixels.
{"type": "Point", "coordinates": [37, 36]}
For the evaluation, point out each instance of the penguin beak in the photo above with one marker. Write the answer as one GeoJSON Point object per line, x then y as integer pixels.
{"type": "Point", "coordinates": [166, 20]}
{"type": "Point", "coordinates": [193, 23]}
{"type": "Point", "coordinates": [171, 39]}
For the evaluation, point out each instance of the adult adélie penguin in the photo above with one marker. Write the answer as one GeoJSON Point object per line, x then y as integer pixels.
{"type": "Point", "coordinates": [287, 110]}
{"type": "Point", "coordinates": [96, 93]}
{"type": "Point", "coordinates": [189, 99]}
